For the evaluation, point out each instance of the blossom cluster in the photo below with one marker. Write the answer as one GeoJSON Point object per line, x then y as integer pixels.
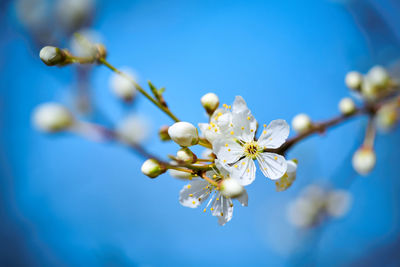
{"type": "Point", "coordinates": [235, 144]}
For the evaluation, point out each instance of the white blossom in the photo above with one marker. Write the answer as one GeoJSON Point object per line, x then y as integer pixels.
{"type": "Point", "coordinates": [152, 168]}
{"type": "Point", "coordinates": [52, 117]}
{"type": "Point", "coordinates": [354, 80]}
{"type": "Point", "coordinates": [73, 14]}
{"type": "Point", "coordinates": [288, 178]}
{"type": "Point", "coordinates": [122, 86]}
{"type": "Point", "coordinates": [218, 126]}
{"type": "Point", "coordinates": [301, 123]}
{"type": "Point", "coordinates": [180, 174]}
{"type": "Point", "coordinates": [210, 102]}
{"type": "Point", "coordinates": [184, 134]}
{"type": "Point", "coordinates": [315, 204]}
{"type": "Point", "coordinates": [387, 116]}
{"type": "Point", "coordinates": [364, 160]}
{"type": "Point", "coordinates": [51, 55]}
{"type": "Point", "coordinates": [133, 129]}
{"type": "Point", "coordinates": [186, 155]}
{"type": "Point", "coordinates": [198, 191]}
{"type": "Point", "coordinates": [238, 148]}
{"type": "Point", "coordinates": [347, 106]}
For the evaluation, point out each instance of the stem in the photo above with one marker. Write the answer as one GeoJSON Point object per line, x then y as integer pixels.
{"type": "Point", "coordinates": [140, 89]}
{"type": "Point", "coordinates": [370, 134]}
{"type": "Point", "coordinates": [368, 108]}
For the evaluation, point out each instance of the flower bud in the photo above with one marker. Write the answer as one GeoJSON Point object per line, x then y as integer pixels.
{"type": "Point", "coordinates": [52, 117]}
{"type": "Point", "coordinates": [180, 174]}
{"type": "Point", "coordinates": [364, 160]}
{"type": "Point", "coordinates": [301, 123]}
{"type": "Point", "coordinates": [101, 51]}
{"type": "Point", "coordinates": [387, 117]}
{"type": "Point", "coordinates": [152, 168]}
{"type": "Point", "coordinates": [354, 80]}
{"type": "Point", "coordinates": [338, 203]}
{"type": "Point", "coordinates": [184, 134]}
{"type": "Point", "coordinates": [207, 154]}
{"type": "Point", "coordinates": [210, 102]}
{"type": "Point", "coordinates": [347, 106]}
{"type": "Point", "coordinates": [122, 86]}
{"type": "Point", "coordinates": [133, 129]}
{"type": "Point", "coordinates": [379, 76]}
{"type": "Point", "coordinates": [51, 55]}
{"type": "Point", "coordinates": [186, 155]}
{"type": "Point", "coordinates": [287, 180]}
{"type": "Point", "coordinates": [163, 133]}
{"type": "Point", "coordinates": [231, 188]}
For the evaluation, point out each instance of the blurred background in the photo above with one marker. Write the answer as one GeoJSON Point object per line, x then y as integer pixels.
{"type": "Point", "coordinates": [66, 201]}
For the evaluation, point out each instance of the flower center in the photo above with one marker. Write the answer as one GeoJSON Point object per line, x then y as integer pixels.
{"type": "Point", "coordinates": [251, 149]}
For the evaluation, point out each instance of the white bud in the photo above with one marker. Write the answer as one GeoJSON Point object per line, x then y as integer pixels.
{"type": "Point", "coordinates": [207, 154]}
{"type": "Point", "coordinates": [302, 213]}
{"type": "Point", "coordinates": [85, 44]}
{"type": "Point", "coordinates": [288, 178]}
{"type": "Point", "coordinates": [133, 129]}
{"type": "Point", "coordinates": [354, 80]}
{"type": "Point", "coordinates": [73, 14]}
{"type": "Point", "coordinates": [379, 76]}
{"type": "Point", "coordinates": [52, 117]}
{"type": "Point", "coordinates": [301, 123]}
{"type": "Point", "coordinates": [152, 168]}
{"type": "Point", "coordinates": [184, 134]}
{"type": "Point", "coordinates": [231, 188]}
{"type": "Point", "coordinates": [179, 174]}
{"type": "Point", "coordinates": [347, 106]}
{"type": "Point", "coordinates": [338, 203]}
{"type": "Point", "coordinates": [364, 160]}
{"type": "Point", "coordinates": [51, 55]}
{"type": "Point", "coordinates": [122, 86]}
{"type": "Point", "coordinates": [387, 117]}
{"type": "Point", "coordinates": [210, 102]}
{"type": "Point", "coordinates": [186, 155]}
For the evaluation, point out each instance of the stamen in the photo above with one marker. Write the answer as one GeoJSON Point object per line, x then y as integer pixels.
{"type": "Point", "coordinates": [189, 186]}
{"type": "Point", "coordinates": [265, 125]}
{"type": "Point", "coordinates": [248, 118]}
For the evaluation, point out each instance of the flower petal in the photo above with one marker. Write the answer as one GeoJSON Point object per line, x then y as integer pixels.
{"type": "Point", "coordinates": [244, 171]}
{"type": "Point", "coordinates": [275, 134]}
{"type": "Point", "coordinates": [243, 198]}
{"type": "Point", "coordinates": [227, 150]}
{"type": "Point", "coordinates": [244, 126]}
{"type": "Point", "coordinates": [239, 105]}
{"type": "Point", "coordinates": [193, 194]}
{"type": "Point", "coordinates": [222, 208]}
{"type": "Point", "coordinates": [272, 165]}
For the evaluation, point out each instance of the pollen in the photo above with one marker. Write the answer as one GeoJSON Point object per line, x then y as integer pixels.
{"type": "Point", "coordinates": [212, 209]}
{"type": "Point", "coordinates": [265, 125]}
{"type": "Point", "coordinates": [243, 163]}
{"type": "Point", "coordinates": [189, 186]}
{"type": "Point", "coordinates": [222, 214]}
{"type": "Point", "coordinates": [275, 158]}
{"type": "Point", "coordinates": [229, 149]}
{"type": "Point", "coordinates": [242, 128]}
{"type": "Point", "coordinates": [204, 210]}
{"type": "Point", "coordinates": [193, 202]}
{"type": "Point", "coordinates": [209, 127]}
{"type": "Point", "coordinates": [217, 199]}
{"type": "Point", "coordinates": [232, 132]}
{"type": "Point", "coordinates": [236, 165]}
{"type": "Point", "coordinates": [190, 195]}
{"type": "Point", "coordinates": [264, 132]}
{"type": "Point", "coordinates": [248, 118]}
{"type": "Point", "coordinates": [214, 176]}
{"type": "Point", "coordinates": [248, 170]}
{"type": "Point", "coordinates": [231, 205]}
{"type": "Point", "coordinates": [270, 138]}
{"type": "Point", "coordinates": [216, 130]}
{"type": "Point", "coordinates": [251, 130]}
{"type": "Point", "coordinates": [226, 145]}
{"type": "Point", "coordinates": [199, 198]}
{"type": "Point", "coordinates": [219, 113]}
{"type": "Point", "coordinates": [229, 107]}
{"type": "Point", "coordinates": [224, 160]}
{"type": "Point", "coordinates": [231, 125]}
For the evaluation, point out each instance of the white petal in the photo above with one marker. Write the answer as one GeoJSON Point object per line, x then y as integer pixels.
{"type": "Point", "coordinates": [222, 208]}
{"type": "Point", "coordinates": [272, 165]}
{"type": "Point", "coordinates": [227, 150]}
{"type": "Point", "coordinates": [239, 105]}
{"type": "Point", "coordinates": [244, 171]}
{"type": "Point", "coordinates": [275, 134]}
{"type": "Point", "coordinates": [243, 198]}
{"type": "Point", "coordinates": [244, 126]}
{"type": "Point", "coordinates": [194, 194]}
